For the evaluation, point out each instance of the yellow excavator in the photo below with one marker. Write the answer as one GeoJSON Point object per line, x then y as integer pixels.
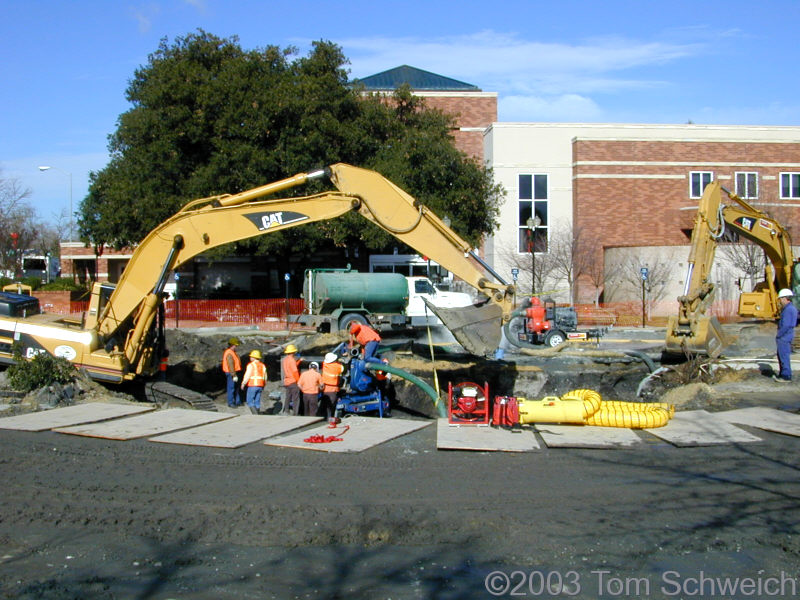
{"type": "Point", "coordinates": [694, 332]}
{"type": "Point", "coordinates": [119, 338]}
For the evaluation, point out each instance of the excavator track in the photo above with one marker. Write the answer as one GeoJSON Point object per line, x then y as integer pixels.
{"type": "Point", "coordinates": [171, 395]}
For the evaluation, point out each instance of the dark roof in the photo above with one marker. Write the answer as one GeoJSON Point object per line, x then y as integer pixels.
{"type": "Point", "coordinates": [418, 79]}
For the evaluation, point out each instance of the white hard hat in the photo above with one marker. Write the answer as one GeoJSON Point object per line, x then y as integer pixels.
{"type": "Point", "coordinates": [330, 357]}
{"type": "Point", "coordinates": [314, 365]}
{"type": "Point", "coordinates": [785, 293]}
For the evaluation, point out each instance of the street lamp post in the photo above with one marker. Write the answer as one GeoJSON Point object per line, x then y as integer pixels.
{"type": "Point", "coordinates": [533, 223]}
{"type": "Point", "coordinates": [45, 168]}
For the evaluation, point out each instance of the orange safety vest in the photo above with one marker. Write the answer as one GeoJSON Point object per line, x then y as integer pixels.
{"type": "Point", "coordinates": [237, 363]}
{"type": "Point", "coordinates": [256, 374]}
{"type": "Point", "coordinates": [330, 376]}
{"type": "Point", "coordinates": [290, 373]}
{"type": "Point", "coordinates": [162, 366]}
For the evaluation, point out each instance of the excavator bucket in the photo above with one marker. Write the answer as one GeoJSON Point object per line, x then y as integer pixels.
{"type": "Point", "coordinates": [477, 328]}
{"type": "Point", "coordinates": [703, 336]}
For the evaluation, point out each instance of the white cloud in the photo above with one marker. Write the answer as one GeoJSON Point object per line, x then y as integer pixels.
{"type": "Point", "coordinates": [535, 80]}
{"type": "Point", "coordinates": [144, 15]}
{"type": "Point", "coordinates": [200, 5]}
{"type": "Point", "coordinates": [504, 61]}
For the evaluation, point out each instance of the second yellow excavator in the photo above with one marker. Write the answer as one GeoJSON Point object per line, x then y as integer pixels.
{"type": "Point", "coordinates": [694, 332]}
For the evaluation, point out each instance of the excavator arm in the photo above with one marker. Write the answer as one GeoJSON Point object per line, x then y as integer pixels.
{"type": "Point", "coordinates": [692, 331]}
{"type": "Point", "coordinates": [124, 320]}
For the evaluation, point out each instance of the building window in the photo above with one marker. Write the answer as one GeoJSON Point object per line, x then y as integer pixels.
{"type": "Point", "coordinates": [747, 185]}
{"type": "Point", "coordinates": [790, 185]}
{"type": "Point", "coordinates": [698, 180]}
{"type": "Point", "coordinates": [534, 194]}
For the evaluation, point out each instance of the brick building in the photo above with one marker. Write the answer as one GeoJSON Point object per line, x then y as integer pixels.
{"type": "Point", "coordinates": [83, 263]}
{"type": "Point", "coordinates": [632, 191]}
{"type": "Point", "coordinates": [473, 108]}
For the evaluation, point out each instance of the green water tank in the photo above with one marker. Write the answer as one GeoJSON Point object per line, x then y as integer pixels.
{"type": "Point", "coordinates": [374, 292]}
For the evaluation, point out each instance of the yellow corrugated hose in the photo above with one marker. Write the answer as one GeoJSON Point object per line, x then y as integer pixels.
{"type": "Point", "coordinates": [588, 408]}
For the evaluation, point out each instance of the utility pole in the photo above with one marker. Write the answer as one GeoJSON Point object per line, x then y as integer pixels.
{"type": "Point", "coordinates": [644, 271]}
{"type": "Point", "coordinates": [532, 223]}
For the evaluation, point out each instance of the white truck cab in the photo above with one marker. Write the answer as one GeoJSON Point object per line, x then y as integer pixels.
{"type": "Point", "coordinates": [420, 288]}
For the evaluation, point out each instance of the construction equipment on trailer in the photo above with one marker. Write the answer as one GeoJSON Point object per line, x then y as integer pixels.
{"type": "Point", "coordinates": [551, 325]}
{"type": "Point", "coordinates": [691, 331]}
{"type": "Point", "coordinates": [468, 403]}
{"type": "Point", "coordinates": [121, 334]}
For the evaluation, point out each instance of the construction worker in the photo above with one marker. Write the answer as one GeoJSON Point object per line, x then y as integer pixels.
{"type": "Point", "coordinates": [368, 338]}
{"type": "Point", "coordinates": [255, 378]}
{"type": "Point", "coordinates": [291, 375]}
{"type": "Point", "coordinates": [310, 384]}
{"type": "Point", "coordinates": [785, 335]}
{"type": "Point", "coordinates": [332, 371]}
{"type": "Point", "coordinates": [231, 366]}
{"type": "Point", "coordinates": [163, 364]}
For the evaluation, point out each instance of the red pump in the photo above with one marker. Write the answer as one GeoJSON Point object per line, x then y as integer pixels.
{"type": "Point", "coordinates": [536, 317]}
{"type": "Point", "coordinates": [468, 402]}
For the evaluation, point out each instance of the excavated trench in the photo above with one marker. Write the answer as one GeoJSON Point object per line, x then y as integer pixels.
{"type": "Point", "coordinates": [195, 358]}
{"type": "Point", "coordinates": [195, 365]}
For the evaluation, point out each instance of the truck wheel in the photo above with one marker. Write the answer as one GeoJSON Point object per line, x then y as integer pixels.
{"type": "Point", "coordinates": [554, 338]}
{"type": "Point", "coordinates": [346, 320]}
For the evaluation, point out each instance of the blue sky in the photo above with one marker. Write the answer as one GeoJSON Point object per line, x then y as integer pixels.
{"type": "Point", "coordinates": [66, 65]}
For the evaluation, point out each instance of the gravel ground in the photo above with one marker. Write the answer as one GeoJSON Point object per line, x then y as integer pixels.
{"type": "Point", "coordinates": [91, 518]}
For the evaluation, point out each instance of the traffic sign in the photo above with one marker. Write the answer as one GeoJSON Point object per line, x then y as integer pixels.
{"type": "Point", "coordinates": [644, 271]}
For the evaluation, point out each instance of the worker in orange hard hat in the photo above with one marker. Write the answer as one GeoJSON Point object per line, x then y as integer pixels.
{"type": "Point", "coordinates": [367, 338]}
{"type": "Point", "coordinates": [255, 378]}
{"type": "Point", "coordinates": [291, 375]}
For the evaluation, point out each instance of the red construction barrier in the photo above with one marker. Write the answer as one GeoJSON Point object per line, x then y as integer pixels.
{"type": "Point", "coordinates": [249, 311]}
{"type": "Point", "coordinates": [267, 313]}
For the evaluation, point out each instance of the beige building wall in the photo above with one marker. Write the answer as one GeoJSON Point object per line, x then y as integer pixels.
{"type": "Point", "coordinates": [629, 183]}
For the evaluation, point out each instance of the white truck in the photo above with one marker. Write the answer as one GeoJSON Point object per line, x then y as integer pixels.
{"type": "Point", "coordinates": [334, 298]}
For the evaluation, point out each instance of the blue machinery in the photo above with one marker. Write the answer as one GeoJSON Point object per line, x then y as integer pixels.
{"type": "Point", "coordinates": [365, 392]}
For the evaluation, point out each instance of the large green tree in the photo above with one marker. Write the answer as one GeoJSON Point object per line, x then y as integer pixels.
{"type": "Point", "coordinates": [209, 117]}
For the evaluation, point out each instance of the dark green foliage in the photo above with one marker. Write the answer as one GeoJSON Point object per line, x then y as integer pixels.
{"type": "Point", "coordinates": [209, 117]}
{"type": "Point", "coordinates": [63, 284]}
{"type": "Point", "coordinates": [33, 281]}
{"type": "Point", "coordinates": [43, 369]}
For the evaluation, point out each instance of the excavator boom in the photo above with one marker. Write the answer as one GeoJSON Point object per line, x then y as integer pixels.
{"type": "Point", "coordinates": [116, 340]}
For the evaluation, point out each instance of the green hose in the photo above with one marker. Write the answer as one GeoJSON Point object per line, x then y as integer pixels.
{"type": "Point", "coordinates": [371, 366]}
